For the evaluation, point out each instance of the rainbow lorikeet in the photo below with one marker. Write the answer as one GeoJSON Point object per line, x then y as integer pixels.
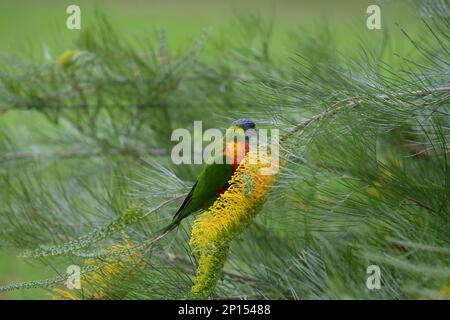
{"type": "Point", "coordinates": [216, 173]}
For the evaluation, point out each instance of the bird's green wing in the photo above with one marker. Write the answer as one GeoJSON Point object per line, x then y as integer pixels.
{"type": "Point", "coordinates": [212, 179]}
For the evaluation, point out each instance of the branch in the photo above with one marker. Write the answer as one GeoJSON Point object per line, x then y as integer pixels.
{"type": "Point", "coordinates": [230, 274]}
{"type": "Point", "coordinates": [80, 153]}
{"type": "Point", "coordinates": [337, 106]}
{"type": "Point", "coordinates": [350, 103]}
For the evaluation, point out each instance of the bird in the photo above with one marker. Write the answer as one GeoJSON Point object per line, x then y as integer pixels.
{"type": "Point", "coordinates": [214, 177]}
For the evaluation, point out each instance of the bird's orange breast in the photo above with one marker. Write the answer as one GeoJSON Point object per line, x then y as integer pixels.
{"type": "Point", "coordinates": [235, 152]}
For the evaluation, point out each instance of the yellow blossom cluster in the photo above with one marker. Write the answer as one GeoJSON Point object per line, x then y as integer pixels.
{"type": "Point", "coordinates": [231, 213]}
{"type": "Point", "coordinates": [101, 284]}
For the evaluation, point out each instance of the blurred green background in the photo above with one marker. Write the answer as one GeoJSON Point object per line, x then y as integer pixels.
{"type": "Point", "coordinates": [34, 29]}
{"type": "Point", "coordinates": [27, 28]}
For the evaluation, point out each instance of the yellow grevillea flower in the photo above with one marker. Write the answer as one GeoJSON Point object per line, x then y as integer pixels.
{"type": "Point", "coordinates": [64, 294]}
{"type": "Point", "coordinates": [232, 212]}
{"type": "Point", "coordinates": [374, 191]}
{"type": "Point", "coordinates": [99, 284]}
{"type": "Point", "coordinates": [446, 290]}
{"type": "Point", "coordinates": [67, 57]}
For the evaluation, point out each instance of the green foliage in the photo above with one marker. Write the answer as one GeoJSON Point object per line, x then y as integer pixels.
{"type": "Point", "coordinates": [366, 178]}
{"type": "Point", "coordinates": [130, 216]}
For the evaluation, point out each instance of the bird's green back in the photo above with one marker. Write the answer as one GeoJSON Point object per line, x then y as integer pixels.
{"type": "Point", "coordinates": [213, 178]}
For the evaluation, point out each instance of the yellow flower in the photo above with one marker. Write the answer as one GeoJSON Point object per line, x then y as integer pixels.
{"type": "Point", "coordinates": [67, 58]}
{"type": "Point", "coordinates": [446, 290]}
{"type": "Point", "coordinates": [374, 191]}
{"type": "Point", "coordinates": [232, 212]}
{"type": "Point", "coordinates": [64, 294]}
{"type": "Point", "coordinates": [99, 284]}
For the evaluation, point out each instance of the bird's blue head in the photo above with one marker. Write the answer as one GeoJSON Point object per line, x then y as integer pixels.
{"type": "Point", "coordinates": [245, 124]}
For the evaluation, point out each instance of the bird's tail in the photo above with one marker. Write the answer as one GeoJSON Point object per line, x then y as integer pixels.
{"type": "Point", "coordinates": [161, 233]}
{"type": "Point", "coordinates": [172, 225]}
{"type": "Point", "coordinates": [179, 215]}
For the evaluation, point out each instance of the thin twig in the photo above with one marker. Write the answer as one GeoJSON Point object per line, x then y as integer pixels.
{"type": "Point", "coordinates": [79, 153]}
{"type": "Point", "coordinates": [349, 103]}
{"type": "Point", "coordinates": [231, 274]}
{"type": "Point", "coordinates": [337, 106]}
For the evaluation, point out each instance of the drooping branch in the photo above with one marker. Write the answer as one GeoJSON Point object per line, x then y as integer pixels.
{"type": "Point", "coordinates": [81, 153]}
{"type": "Point", "coordinates": [350, 103]}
